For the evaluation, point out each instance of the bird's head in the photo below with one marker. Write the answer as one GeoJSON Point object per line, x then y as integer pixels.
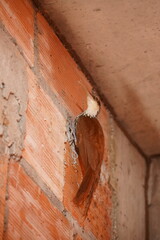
{"type": "Point", "coordinates": [93, 107]}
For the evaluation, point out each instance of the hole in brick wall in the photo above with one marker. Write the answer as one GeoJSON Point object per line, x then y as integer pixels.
{"type": "Point", "coordinates": [90, 149]}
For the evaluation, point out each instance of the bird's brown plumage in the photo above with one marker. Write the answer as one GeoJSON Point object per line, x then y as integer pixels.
{"type": "Point", "coordinates": [90, 148]}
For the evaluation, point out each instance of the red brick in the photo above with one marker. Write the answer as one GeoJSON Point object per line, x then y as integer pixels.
{"type": "Point", "coordinates": [18, 18]}
{"type": "Point", "coordinates": [31, 214]}
{"type": "Point", "coordinates": [98, 219]}
{"type": "Point", "coordinates": [45, 137]}
{"type": "Point", "coordinates": [59, 69]}
{"type": "Point", "coordinates": [73, 178]}
{"type": "Point", "coordinates": [3, 182]}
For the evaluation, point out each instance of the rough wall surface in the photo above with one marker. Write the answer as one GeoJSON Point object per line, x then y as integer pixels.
{"type": "Point", "coordinates": [154, 199]}
{"type": "Point", "coordinates": [130, 173]}
{"type": "Point", "coordinates": [42, 91]}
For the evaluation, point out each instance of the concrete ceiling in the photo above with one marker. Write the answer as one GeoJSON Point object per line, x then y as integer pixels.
{"type": "Point", "coordinates": [119, 44]}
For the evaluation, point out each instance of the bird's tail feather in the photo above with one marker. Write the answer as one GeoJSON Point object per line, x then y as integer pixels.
{"type": "Point", "coordinates": [86, 188]}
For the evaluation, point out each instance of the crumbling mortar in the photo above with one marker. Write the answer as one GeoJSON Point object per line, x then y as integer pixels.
{"type": "Point", "coordinates": [71, 138]}
{"type": "Point", "coordinates": [13, 40]}
{"type": "Point", "coordinates": [77, 229]}
{"type": "Point", "coordinates": [4, 135]}
{"type": "Point", "coordinates": [30, 171]}
{"type": "Point", "coordinates": [6, 213]}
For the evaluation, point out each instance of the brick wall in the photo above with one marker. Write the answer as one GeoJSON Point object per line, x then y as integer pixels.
{"type": "Point", "coordinates": [42, 91]}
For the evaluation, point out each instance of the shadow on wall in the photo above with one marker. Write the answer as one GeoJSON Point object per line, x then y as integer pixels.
{"type": "Point", "coordinates": [136, 114]}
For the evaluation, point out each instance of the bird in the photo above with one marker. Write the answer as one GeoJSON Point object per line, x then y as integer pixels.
{"type": "Point", "coordinates": [90, 149]}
